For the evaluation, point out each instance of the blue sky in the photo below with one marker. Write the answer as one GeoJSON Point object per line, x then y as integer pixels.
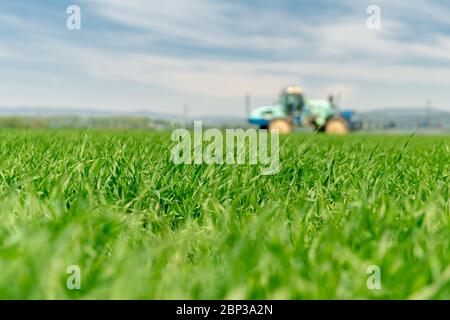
{"type": "Point", "coordinates": [207, 54]}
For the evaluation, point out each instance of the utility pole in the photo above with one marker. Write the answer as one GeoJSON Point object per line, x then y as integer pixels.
{"type": "Point", "coordinates": [248, 101]}
{"type": "Point", "coordinates": [428, 114]}
{"type": "Point", "coordinates": [186, 115]}
{"type": "Point", "coordinates": [338, 100]}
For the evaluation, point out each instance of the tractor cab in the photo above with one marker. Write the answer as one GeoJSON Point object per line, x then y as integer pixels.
{"type": "Point", "coordinates": [291, 99]}
{"type": "Point", "coordinates": [294, 110]}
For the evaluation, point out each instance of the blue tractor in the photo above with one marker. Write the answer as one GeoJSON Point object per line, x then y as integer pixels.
{"type": "Point", "coordinates": [293, 109]}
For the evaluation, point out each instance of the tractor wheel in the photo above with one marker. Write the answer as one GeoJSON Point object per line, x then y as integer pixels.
{"type": "Point", "coordinates": [283, 125]}
{"type": "Point", "coordinates": [336, 125]}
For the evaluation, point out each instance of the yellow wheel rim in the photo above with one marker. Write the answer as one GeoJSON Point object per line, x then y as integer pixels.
{"type": "Point", "coordinates": [284, 126]}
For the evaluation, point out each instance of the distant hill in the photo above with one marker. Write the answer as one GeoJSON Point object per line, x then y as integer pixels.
{"type": "Point", "coordinates": [386, 117]}
{"type": "Point", "coordinates": [408, 117]}
{"type": "Point", "coordinates": [88, 112]}
{"type": "Point", "coordinates": [93, 112]}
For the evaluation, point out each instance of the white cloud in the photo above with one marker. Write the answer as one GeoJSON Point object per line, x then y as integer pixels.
{"type": "Point", "coordinates": [235, 78]}
{"type": "Point", "coordinates": [220, 25]}
{"type": "Point", "coordinates": [343, 41]}
{"type": "Point", "coordinates": [225, 25]}
{"type": "Point", "coordinates": [14, 21]}
{"type": "Point", "coordinates": [193, 76]}
{"type": "Point", "coordinates": [4, 54]}
{"type": "Point", "coordinates": [206, 23]}
{"type": "Point", "coordinates": [338, 56]}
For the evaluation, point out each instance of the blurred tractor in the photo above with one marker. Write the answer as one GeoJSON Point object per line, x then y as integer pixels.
{"type": "Point", "coordinates": [294, 110]}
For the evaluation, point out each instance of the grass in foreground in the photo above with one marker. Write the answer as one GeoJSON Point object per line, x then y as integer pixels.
{"type": "Point", "coordinates": [141, 227]}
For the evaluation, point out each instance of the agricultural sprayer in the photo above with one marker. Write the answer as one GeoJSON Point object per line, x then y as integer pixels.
{"type": "Point", "coordinates": [293, 109]}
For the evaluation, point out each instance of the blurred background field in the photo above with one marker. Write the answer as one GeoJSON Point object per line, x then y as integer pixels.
{"type": "Point", "coordinates": [90, 91]}
{"type": "Point", "coordinates": [138, 226]}
{"type": "Point", "coordinates": [420, 120]}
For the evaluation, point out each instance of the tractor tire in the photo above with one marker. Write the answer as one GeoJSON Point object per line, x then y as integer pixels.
{"type": "Point", "coordinates": [283, 126]}
{"type": "Point", "coordinates": [336, 126]}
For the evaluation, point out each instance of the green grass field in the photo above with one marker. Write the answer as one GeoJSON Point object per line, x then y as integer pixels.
{"type": "Point", "coordinates": [140, 227]}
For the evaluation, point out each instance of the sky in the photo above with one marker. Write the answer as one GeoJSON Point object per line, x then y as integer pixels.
{"type": "Point", "coordinates": [162, 55]}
